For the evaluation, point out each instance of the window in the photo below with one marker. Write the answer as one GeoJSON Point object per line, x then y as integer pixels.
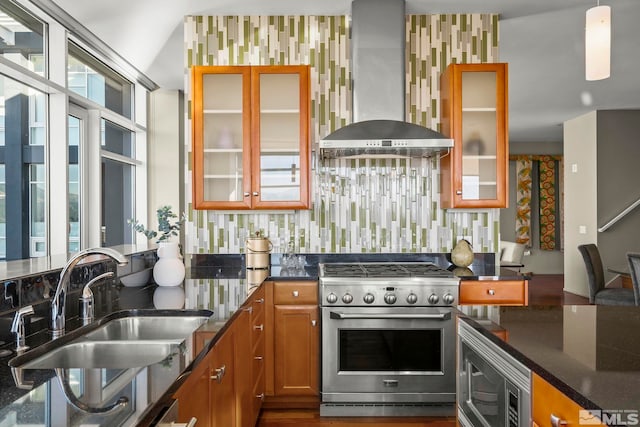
{"type": "Point", "coordinates": [22, 38]}
{"type": "Point", "coordinates": [68, 131]}
{"type": "Point", "coordinates": [75, 136]}
{"type": "Point", "coordinates": [118, 175]}
{"type": "Point", "coordinates": [22, 157]}
{"type": "Point", "coordinates": [95, 81]}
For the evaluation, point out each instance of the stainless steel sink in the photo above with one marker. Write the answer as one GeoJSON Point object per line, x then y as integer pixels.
{"type": "Point", "coordinates": [125, 339]}
{"type": "Point", "coordinates": [103, 354]}
{"type": "Point", "coordinates": [174, 329]}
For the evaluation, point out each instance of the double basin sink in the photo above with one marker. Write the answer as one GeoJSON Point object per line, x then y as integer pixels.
{"type": "Point", "coordinates": [125, 339]}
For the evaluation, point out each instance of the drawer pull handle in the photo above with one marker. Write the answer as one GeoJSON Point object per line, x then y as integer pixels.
{"type": "Point", "coordinates": [557, 421]}
{"type": "Point", "coordinates": [260, 396]}
{"type": "Point", "coordinates": [258, 327]}
{"type": "Point", "coordinates": [296, 294]}
{"type": "Point", "coordinates": [219, 374]}
{"type": "Point", "coordinates": [260, 301]}
{"type": "Point", "coordinates": [257, 358]}
{"type": "Point", "coordinates": [491, 292]}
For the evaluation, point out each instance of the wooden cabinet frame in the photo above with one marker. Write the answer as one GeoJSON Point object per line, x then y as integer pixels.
{"type": "Point", "coordinates": [251, 150]}
{"type": "Point", "coordinates": [452, 126]}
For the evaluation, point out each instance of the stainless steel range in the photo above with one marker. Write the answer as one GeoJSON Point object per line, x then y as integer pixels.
{"type": "Point", "coordinates": [388, 339]}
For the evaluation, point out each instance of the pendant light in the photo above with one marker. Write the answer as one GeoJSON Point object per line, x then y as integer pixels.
{"type": "Point", "coordinates": [598, 43]}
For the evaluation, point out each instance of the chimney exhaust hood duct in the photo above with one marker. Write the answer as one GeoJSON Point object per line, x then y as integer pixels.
{"type": "Point", "coordinates": [378, 87]}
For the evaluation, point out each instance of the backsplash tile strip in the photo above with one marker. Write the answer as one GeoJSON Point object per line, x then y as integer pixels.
{"type": "Point", "coordinates": [386, 205]}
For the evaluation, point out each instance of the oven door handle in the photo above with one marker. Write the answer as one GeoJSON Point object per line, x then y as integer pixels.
{"type": "Point", "coordinates": [340, 316]}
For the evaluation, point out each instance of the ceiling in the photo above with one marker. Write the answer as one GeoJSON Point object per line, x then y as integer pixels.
{"type": "Point", "coordinates": [542, 40]}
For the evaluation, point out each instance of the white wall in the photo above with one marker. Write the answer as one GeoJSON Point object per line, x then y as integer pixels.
{"type": "Point", "coordinates": [164, 152]}
{"type": "Point", "coordinates": [580, 197]}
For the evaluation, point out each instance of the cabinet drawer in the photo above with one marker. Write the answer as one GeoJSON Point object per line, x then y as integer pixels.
{"type": "Point", "coordinates": [548, 401]}
{"type": "Point", "coordinates": [295, 293]}
{"type": "Point", "coordinates": [497, 292]}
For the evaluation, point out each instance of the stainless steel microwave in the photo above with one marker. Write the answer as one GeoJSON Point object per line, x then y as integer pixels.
{"type": "Point", "coordinates": [493, 388]}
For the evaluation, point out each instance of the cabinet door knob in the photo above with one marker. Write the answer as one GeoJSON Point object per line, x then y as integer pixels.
{"type": "Point", "coordinates": [260, 396]}
{"type": "Point", "coordinates": [313, 323]}
{"type": "Point", "coordinates": [219, 374]}
{"type": "Point", "coordinates": [491, 292]}
{"type": "Point", "coordinates": [246, 194]}
{"type": "Point", "coordinates": [557, 421]}
{"type": "Point", "coordinates": [459, 192]}
{"type": "Point", "coordinates": [260, 301]}
{"type": "Point", "coordinates": [257, 358]}
{"type": "Point", "coordinates": [296, 293]}
{"type": "Point", "coordinates": [255, 193]}
{"type": "Point", "coordinates": [259, 327]}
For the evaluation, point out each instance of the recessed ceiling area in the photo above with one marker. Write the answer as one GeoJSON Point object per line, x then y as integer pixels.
{"type": "Point", "coordinates": [543, 42]}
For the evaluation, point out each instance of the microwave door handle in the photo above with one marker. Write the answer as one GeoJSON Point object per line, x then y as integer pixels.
{"type": "Point", "coordinates": [343, 316]}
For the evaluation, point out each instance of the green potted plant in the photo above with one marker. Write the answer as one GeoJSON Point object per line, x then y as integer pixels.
{"type": "Point", "coordinates": [169, 269]}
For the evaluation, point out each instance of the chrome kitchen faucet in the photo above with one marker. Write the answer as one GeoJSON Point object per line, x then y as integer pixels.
{"type": "Point", "coordinates": [60, 298]}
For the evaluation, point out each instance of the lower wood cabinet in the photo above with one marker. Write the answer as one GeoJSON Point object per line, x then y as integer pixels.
{"type": "Point", "coordinates": [226, 389]}
{"type": "Point", "coordinates": [494, 292]}
{"type": "Point", "coordinates": [549, 402]}
{"type": "Point", "coordinates": [223, 390]}
{"type": "Point", "coordinates": [194, 400]}
{"type": "Point", "coordinates": [209, 392]}
{"type": "Point", "coordinates": [292, 309]}
{"type": "Point", "coordinates": [296, 350]}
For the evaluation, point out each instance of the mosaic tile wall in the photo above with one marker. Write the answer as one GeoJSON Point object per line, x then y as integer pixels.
{"type": "Point", "coordinates": [372, 205]}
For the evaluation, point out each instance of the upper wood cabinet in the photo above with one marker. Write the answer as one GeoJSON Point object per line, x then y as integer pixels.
{"type": "Point", "coordinates": [250, 137]}
{"type": "Point", "coordinates": [474, 174]}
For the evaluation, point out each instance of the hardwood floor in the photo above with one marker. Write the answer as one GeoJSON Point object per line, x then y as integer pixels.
{"type": "Point", "coordinates": [544, 289]}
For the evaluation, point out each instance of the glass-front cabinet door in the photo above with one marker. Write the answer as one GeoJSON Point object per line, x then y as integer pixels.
{"type": "Point", "coordinates": [250, 137]}
{"type": "Point", "coordinates": [281, 132]}
{"type": "Point", "coordinates": [474, 114]}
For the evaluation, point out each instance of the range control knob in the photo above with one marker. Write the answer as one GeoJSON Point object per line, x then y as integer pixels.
{"type": "Point", "coordinates": [448, 299]}
{"type": "Point", "coordinates": [390, 298]}
{"type": "Point", "coordinates": [347, 298]}
{"type": "Point", "coordinates": [433, 299]}
{"type": "Point", "coordinates": [368, 298]}
{"type": "Point", "coordinates": [412, 298]}
{"type": "Point", "coordinates": [332, 298]}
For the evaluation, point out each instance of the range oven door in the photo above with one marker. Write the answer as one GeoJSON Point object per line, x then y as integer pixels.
{"type": "Point", "coordinates": [377, 354]}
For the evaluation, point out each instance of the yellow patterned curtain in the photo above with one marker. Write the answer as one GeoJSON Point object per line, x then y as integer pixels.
{"type": "Point", "coordinates": [548, 189]}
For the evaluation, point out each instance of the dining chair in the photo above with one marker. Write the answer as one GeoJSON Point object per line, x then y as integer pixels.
{"type": "Point", "coordinates": [598, 293]}
{"type": "Point", "coordinates": [634, 269]}
{"type": "Point", "coordinates": [511, 254]}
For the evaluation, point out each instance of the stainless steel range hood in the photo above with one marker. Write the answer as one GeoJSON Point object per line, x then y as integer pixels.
{"type": "Point", "coordinates": [378, 87]}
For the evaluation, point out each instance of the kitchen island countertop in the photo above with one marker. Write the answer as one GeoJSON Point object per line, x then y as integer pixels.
{"type": "Point", "coordinates": [590, 353]}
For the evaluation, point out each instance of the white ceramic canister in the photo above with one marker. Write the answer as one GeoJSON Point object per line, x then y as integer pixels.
{"type": "Point", "coordinates": [256, 276]}
{"type": "Point", "coordinates": [258, 252]}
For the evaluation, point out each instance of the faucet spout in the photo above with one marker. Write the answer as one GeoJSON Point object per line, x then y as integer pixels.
{"type": "Point", "coordinates": [60, 298]}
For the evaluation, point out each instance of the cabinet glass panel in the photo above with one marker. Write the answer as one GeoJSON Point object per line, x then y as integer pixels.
{"type": "Point", "coordinates": [280, 137]}
{"type": "Point", "coordinates": [223, 137]}
{"type": "Point", "coordinates": [479, 137]}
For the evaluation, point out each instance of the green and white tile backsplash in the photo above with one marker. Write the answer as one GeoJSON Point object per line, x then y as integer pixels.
{"type": "Point", "coordinates": [364, 205]}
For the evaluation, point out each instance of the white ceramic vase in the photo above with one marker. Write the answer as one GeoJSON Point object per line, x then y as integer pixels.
{"type": "Point", "coordinates": [169, 269]}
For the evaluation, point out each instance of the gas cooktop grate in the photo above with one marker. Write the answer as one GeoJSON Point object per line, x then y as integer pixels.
{"type": "Point", "coordinates": [387, 269]}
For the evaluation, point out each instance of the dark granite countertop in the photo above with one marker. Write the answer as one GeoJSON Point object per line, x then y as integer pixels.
{"type": "Point", "coordinates": [590, 353]}
{"type": "Point", "coordinates": [219, 283]}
